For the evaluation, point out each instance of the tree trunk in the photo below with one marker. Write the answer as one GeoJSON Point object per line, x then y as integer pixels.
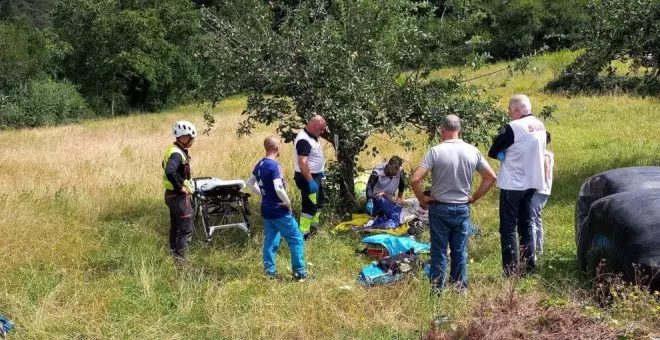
{"type": "Point", "coordinates": [346, 160]}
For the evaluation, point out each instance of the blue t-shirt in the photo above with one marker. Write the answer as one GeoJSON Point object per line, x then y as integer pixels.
{"type": "Point", "coordinates": [266, 171]}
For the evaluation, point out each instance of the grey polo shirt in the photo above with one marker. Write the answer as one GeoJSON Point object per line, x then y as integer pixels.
{"type": "Point", "coordinates": [452, 164]}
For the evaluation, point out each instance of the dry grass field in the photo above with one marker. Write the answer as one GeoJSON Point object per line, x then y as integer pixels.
{"type": "Point", "coordinates": [83, 245]}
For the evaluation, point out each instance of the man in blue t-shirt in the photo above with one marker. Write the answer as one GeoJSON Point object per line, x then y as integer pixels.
{"type": "Point", "coordinates": [267, 180]}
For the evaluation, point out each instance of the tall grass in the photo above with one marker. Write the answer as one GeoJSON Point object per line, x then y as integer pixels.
{"type": "Point", "coordinates": [84, 230]}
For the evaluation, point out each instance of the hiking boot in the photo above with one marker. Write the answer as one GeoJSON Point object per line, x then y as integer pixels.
{"type": "Point", "coordinates": [313, 230]}
{"type": "Point", "coordinates": [179, 260]}
{"type": "Point", "coordinates": [300, 277]}
{"type": "Point", "coordinates": [463, 292]}
{"type": "Point", "coordinates": [436, 291]}
{"type": "Point", "coordinates": [275, 276]}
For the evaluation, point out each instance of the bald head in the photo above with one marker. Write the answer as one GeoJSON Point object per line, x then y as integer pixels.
{"type": "Point", "coordinates": [316, 119]}
{"type": "Point", "coordinates": [519, 105]}
{"type": "Point", "coordinates": [316, 125]}
{"type": "Point", "coordinates": [451, 123]}
{"type": "Point", "coordinates": [271, 144]}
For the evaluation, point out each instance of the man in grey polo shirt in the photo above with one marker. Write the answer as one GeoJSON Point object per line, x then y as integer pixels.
{"type": "Point", "coordinates": [452, 164]}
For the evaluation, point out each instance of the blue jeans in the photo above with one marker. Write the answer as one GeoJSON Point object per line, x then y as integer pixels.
{"type": "Point", "coordinates": [515, 214]}
{"type": "Point", "coordinates": [387, 208]}
{"type": "Point", "coordinates": [538, 202]}
{"type": "Point", "coordinates": [287, 227]}
{"type": "Point", "coordinates": [450, 225]}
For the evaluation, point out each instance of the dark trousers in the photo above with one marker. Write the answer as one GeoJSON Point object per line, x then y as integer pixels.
{"type": "Point", "coordinates": [308, 207]}
{"type": "Point", "coordinates": [181, 222]}
{"type": "Point", "coordinates": [515, 214]}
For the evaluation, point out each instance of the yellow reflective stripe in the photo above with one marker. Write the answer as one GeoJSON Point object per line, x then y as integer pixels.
{"type": "Point", "coordinates": [305, 223]}
{"type": "Point", "coordinates": [188, 184]}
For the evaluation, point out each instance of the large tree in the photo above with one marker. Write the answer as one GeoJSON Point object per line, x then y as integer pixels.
{"type": "Point", "coordinates": [628, 31]}
{"type": "Point", "coordinates": [36, 12]}
{"type": "Point", "coordinates": [362, 64]}
{"type": "Point", "coordinates": [22, 53]}
{"type": "Point", "coordinates": [128, 55]}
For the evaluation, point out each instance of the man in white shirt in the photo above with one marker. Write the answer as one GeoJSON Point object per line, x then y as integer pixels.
{"type": "Point", "coordinates": [309, 166]}
{"type": "Point", "coordinates": [521, 174]}
{"type": "Point", "coordinates": [452, 164]}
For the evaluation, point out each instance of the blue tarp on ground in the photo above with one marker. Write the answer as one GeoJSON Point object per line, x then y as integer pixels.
{"type": "Point", "coordinates": [397, 244]}
{"type": "Point", "coordinates": [372, 275]}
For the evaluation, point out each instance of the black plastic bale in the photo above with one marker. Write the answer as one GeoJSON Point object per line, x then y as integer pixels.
{"type": "Point", "coordinates": [617, 218]}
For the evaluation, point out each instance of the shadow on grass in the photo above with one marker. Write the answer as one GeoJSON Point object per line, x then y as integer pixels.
{"type": "Point", "coordinates": [136, 235]}
{"type": "Point", "coordinates": [559, 273]}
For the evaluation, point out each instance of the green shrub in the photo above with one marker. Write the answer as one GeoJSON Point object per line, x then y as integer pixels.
{"type": "Point", "coordinates": [42, 102]}
{"type": "Point", "coordinates": [11, 114]}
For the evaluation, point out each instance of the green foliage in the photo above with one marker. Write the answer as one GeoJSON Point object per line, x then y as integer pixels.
{"type": "Point", "coordinates": [513, 28]}
{"type": "Point", "coordinates": [42, 102]}
{"type": "Point", "coordinates": [564, 22]}
{"type": "Point", "coordinates": [28, 97]}
{"type": "Point", "coordinates": [352, 62]}
{"type": "Point", "coordinates": [22, 53]}
{"type": "Point", "coordinates": [132, 55]}
{"type": "Point", "coordinates": [36, 12]}
{"type": "Point", "coordinates": [627, 31]}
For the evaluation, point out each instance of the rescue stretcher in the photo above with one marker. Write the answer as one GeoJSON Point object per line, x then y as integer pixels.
{"type": "Point", "coordinates": [220, 205]}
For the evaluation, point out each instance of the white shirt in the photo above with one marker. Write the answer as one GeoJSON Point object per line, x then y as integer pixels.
{"type": "Point", "coordinates": [386, 184]}
{"type": "Point", "coordinates": [523, 166]}
{"type": "Point", "coordinates": [315, 159]}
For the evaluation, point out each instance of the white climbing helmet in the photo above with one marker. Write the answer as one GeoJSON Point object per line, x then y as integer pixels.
{"type": "Point", "coordinates": [183, 128]}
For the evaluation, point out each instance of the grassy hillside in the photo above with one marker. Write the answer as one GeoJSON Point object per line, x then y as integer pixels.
{"type": "Point", "coordinates": [84, 232]}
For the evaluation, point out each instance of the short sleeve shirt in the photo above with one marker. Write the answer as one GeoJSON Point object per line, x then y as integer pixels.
{"type": "Point", "coordinates": [265, 172]}
{"type": "Point", "coordinates": [452, 164]}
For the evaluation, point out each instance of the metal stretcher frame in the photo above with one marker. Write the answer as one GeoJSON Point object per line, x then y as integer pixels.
{"type": "Point", "coordinates": [218, 205]}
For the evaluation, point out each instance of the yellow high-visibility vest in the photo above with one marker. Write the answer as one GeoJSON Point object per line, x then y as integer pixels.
{"type": "Point", "coordinates": [166, 182]}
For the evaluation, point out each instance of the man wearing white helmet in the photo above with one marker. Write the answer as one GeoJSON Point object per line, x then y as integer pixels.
{"type": "Point", "coordinates": [178, 187]}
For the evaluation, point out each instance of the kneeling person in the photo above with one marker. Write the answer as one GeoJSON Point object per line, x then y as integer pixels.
{"type": "Point", "coordinates": [383, 184]}
{"type": "Point", "coordinates": [267, 180]}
